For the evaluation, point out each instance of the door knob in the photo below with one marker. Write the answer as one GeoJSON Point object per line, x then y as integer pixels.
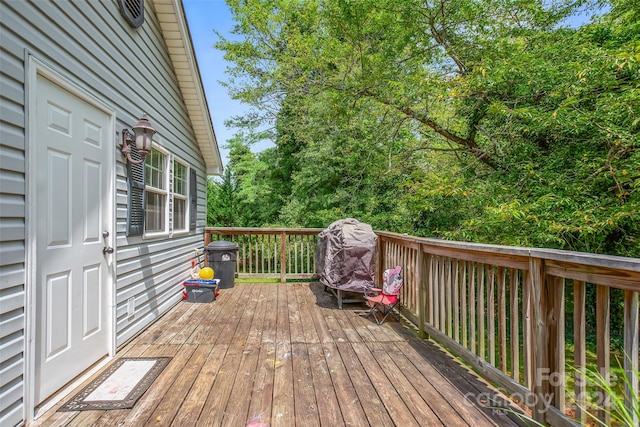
{"type": "Point", "coordinates": [107, 250]}
{"type": "Point", "coordinates": [105, 234]}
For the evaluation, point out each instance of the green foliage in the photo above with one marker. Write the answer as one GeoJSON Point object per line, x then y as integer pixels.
{"type": "Point", "coordinates": [221, 202]}
{"type": "Point", "coordinates": [578, 188]}
{"type": "Point", "coordinates": [608, 396]}
{"type": "Point", "coordinates": [478, 121]}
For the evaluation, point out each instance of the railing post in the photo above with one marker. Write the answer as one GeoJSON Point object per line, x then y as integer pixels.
{"type": "Point", "coordinates": [283, 257]}
{"type": "Point", "coordinates": [514, 314]}
{"type": "Point", "coordinates": [557, 342]}
{"type": "Point", "coordinates": [579, 353]}
{"type": "Point", "coordinates": [423, 286]}
{"type": "Point", "coordinates": [547, 298]}
{"type": "Point", "coordinates": [527, 331]}
{"type": "Point", "coordinates": [631, 350]}
{"type": "Point", "coordinates": [502, 319]}
{"type": "Point", "coordinates": [603, 345]}
{"type": "Point", "coordinates": [380, 260]}
{"type": "Point", "coordinates": [540, 306]}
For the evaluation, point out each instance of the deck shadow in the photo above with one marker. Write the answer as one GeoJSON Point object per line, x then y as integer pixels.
{"type": "Point", "coordinates": [477, 392]}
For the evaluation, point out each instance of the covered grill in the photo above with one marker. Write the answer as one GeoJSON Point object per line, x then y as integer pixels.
{"type": "Point", "coordinates": [346, 256]}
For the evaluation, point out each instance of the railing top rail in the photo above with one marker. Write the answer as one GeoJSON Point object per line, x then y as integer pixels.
{"type": "Point", "coordinates": [607, 261]}
{"type": "Point", "coordinates": [608, 270]}
{"type": "Point", "coordinates": [611, 261]}
{"type": "Point", "coordinates": [261, 230]}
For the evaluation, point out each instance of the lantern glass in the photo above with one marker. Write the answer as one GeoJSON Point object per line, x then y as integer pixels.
{"type": "Point", "coordinates": [144, 134]}
{"type": "Point", "coordinates": [143, 139]}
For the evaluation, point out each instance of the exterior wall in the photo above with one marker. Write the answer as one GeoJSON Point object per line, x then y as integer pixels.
{"type": "Point", "coordinates": [91, 44]}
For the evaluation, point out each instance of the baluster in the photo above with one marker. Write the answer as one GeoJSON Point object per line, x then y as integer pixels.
{"type": "Point", "coordinates": [514, 322]}
{"type": "Point", "coordinates": [502, 319]}
{"type": "Point", "coordinates": [631, 349]}
{"type": "Point", "coordinates": [579, 350]}
{"type": "Point", "coordinates": [603, 345]}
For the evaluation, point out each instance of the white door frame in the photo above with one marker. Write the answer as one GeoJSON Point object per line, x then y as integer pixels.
{"type": "Point", "coordinates": [35, 68]}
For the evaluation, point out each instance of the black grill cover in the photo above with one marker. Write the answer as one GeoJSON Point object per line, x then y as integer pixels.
{"type": "Point", "coordinates": [346, 255]}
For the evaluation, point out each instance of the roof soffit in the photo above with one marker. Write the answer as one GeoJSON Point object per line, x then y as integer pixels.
{"type": "Point", "coordinates": [175, 31]}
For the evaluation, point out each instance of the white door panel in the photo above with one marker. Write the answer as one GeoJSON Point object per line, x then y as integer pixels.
{"type": "Point", "coordinates": [72, 173]}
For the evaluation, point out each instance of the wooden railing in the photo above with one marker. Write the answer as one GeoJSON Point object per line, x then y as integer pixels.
{"type": "Point", "coordinates": [270, 253]}
{"type": "Point", "coordinates": [500, 309]}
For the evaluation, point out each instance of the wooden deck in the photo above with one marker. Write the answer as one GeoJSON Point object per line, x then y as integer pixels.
{"type": "Point", "coordinates": [282, 354]}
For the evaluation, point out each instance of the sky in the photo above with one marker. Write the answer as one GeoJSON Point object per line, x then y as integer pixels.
{"type": "Point", "coordinates": [203, 16]}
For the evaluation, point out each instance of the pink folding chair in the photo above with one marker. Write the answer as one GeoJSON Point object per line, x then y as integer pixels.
{"type": "Point", "coordinates": [382, 301]}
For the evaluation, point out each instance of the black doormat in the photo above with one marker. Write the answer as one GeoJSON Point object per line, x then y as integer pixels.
{"type": "Point", "coordinates": [119, 386]}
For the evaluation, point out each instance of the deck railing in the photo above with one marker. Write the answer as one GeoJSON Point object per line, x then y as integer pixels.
{"type": "Point", "coordinates": [270, 253]}
{"type": "Point", "coordinates": [500, 309]}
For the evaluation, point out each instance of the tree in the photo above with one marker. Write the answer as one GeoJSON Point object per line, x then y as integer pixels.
{"type": "Point", "coordinates": [501, 126]}
{"type": "Point", "coordinates": [221, 202]}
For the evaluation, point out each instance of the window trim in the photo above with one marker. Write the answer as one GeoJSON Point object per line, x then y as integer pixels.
{"type": "Point", "coordinates": [166, 232]}
{"type": "Point", "coordinates": [137, 192]}
{"type": "Point", "coordinates": [186, 197]}
{"type": "Point", "coordinates": [193, 199]}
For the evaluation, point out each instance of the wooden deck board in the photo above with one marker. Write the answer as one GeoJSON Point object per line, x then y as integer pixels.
{"type": "Point", "coordinates": [282, 413]}
{"type": "Point", "coordinates": [326, 399]}
{"type": "Point", "coordinates": [305, 407]}
{"type": "Point", "coordinates": [261, 397]}
{"type": "Point", "coordinates": [305, 305]}
{"type": "Point", "coordinates": [166, 410]}
{"type": "Point", "coordinates": [277, 354]}
{"type": "Point", "coordinates": [365, 389]}
{"type": "Point", "coordinates": [219, 406]}
{"type": "Point", "coordinates": [194, 402]}
{"type": "Point", "coordinates": [238, 405]}
{"type": "Point", "coordinates": [325, 396]}
{"type": "Point", "coordinates": [296, 328]}
{"type": "Point", "coordinates": [389, 398]}
{"type": "Point", "coordinates": [350, 407]}
{"type": "Point", "coordinates": [454, 389]}
{"type": "Point", "coordinates": [391, 362]}
{"type": "Point", "coordinates": [426, 386]}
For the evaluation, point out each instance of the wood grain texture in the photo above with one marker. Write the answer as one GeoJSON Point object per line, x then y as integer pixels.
{"type": "Point", "coordinates": [283, 354]}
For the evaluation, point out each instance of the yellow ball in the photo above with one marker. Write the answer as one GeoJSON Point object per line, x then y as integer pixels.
{"type": "Point", "coordinates": [206, 273]}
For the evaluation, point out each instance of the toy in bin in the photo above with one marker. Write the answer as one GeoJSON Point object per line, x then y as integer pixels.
{"type": "Point", "coordinates": [200, 290]}
{"type": "Point", "coordinates": [197, 267]}
{"type": "Point", "coordinates": [202, 287]}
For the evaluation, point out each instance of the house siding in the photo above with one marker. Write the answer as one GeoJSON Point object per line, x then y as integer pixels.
{"type": "Point", "coordinates": [90, 44]}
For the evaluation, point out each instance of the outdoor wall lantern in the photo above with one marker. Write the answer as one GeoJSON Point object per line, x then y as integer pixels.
{"type": "Point", "coordinates": [143, 134]}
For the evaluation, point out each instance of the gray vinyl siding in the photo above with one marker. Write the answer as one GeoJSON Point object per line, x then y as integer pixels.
{"type": "Point", "coordinates": [12, 230]}
{"type": "Point", "coordinates": [89, 43]}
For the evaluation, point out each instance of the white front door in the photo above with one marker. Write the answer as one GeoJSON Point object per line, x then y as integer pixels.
{"type": "Point", "coordinates": [72, 200]}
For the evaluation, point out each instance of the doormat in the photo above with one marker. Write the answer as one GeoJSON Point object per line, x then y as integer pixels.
{"type": "Point", "coordinates": [120, 386]}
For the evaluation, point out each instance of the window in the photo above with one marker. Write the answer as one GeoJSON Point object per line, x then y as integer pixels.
{"type": "Point", "coordinates": [180, 196]}
{"type": "Point", "coordinates": [156, 187]}
{"type": "Point", "coordinates": [162, 196]}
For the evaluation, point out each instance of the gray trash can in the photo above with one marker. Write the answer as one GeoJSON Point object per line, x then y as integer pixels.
{"type": "Point", "coordinates": [221, 256]}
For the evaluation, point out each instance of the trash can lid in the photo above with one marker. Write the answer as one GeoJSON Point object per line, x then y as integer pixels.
{"type": "Point", "coordinates": [222, 245]}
